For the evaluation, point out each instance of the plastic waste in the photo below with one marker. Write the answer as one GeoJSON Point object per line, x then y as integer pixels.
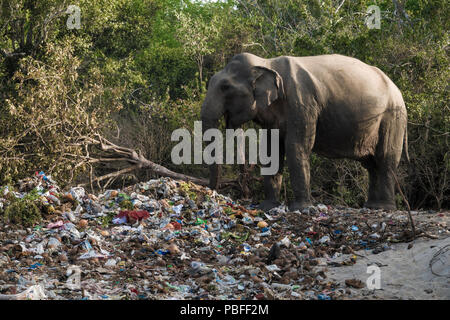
{"type": "Point", "coordinates": [175, 246]}
{"type": "Point", "coordinates": [35, 292]}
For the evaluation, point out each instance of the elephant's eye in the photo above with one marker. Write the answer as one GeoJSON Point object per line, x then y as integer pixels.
{"type": "Point", "coordinates": [224, 87]}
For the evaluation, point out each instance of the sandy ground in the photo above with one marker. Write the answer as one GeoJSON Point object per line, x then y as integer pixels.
{"type": "Point", "coordinates": [405, 273]}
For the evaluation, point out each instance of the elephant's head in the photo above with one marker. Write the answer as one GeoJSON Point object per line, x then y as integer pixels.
{"type": "Point", "coordinates": [239, 92]}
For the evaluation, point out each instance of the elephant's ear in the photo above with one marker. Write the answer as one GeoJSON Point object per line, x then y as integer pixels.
{"type": "Point", "coordinates": [267, 86]}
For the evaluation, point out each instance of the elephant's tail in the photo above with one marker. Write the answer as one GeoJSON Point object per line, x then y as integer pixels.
{"type": "Point", "coordinates": [405, 144]}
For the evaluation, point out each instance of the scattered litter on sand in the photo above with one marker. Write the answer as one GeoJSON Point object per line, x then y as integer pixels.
{"type": "Point", "coordinates": [404, 273]}
{"type": "Point", "coordinates": [168, 239]}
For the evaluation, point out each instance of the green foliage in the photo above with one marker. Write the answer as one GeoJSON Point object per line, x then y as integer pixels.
{"type": "Point", "coordinates": [166, 69]}
{"type": "Point", "coordinates": [140, 67]}
{"type": "Point", "coordinates": [49, 113]}
{"type": "Point", "coordinates": [24, 211]}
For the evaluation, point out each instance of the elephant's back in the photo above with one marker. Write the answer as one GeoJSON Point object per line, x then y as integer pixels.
{"type": "Point", "coordinates": [342, 79]}
{"type": "Point", "coordinates": [356, 97]}
{"type": "Point", "coordinates": [341, 69]}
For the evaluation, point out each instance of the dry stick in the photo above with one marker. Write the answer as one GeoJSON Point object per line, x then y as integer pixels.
{"type": "Point", "coordinates": [142, 162]}
{"type": "Point", "coordinates": [139, 162]}
{"type": "Point", "coordinates": [113, 174]}
{"type": "Point", "coordinates": [407, 204]}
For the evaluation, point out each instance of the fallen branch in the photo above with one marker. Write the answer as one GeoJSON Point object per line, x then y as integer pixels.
{"type": "Point", "coordinates": [138, 161]}
{"type": "Point", "coordinates": [111, 175]}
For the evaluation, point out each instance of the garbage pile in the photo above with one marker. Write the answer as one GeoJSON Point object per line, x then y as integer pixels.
{"type": "Point", "coordinates": [169, 239]}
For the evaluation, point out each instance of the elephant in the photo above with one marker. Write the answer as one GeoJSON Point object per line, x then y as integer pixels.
{"type": "Point", "coordinates": [333, 105]}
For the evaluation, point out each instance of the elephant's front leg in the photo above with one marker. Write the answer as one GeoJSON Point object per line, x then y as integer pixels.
{"type": "Point", "coordinates": [272, 183]}
{"type": "Point", "coordinates": [298, 150]}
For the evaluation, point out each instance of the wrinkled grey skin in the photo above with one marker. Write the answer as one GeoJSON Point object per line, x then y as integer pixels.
{"type": "Point", "coordinates": [333, 105]}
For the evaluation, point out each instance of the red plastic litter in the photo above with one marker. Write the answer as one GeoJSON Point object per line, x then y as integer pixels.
{"type": "Point", "coordinates": [134, 291]}
{"type": "Point", "coordinates": [176, 225]}
{"type": "Point", "coordinates": [134, 215]}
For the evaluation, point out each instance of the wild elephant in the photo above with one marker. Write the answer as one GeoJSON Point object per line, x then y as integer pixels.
{"type": "Point", "coordinates": [333, 105]}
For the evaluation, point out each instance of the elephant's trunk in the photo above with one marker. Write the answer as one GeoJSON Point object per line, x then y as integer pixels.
{"type": "Point", "coordinates": [211, 112]}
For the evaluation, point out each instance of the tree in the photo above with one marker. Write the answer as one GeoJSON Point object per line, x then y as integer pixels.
{"type": "Point", "coordinates": [197, 36]}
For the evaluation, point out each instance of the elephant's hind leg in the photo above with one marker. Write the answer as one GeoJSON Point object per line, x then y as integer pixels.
{"type": "Point", "coordinates": [383, 165]}
{"type": "Point", "coordinates": [381, 187]}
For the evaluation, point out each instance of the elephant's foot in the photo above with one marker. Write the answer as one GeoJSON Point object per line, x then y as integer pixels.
{"type": "Point", "coordinates": [266, 205]}
{"type": "Point", "coordinates": [384, 205]}
{"type": "Point", "coordinates": [299, 205]}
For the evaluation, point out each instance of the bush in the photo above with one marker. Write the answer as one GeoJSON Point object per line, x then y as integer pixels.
{"type": "Point", "coordinates": [50, 112]}
{"type": "Point", "coordinates": [23, 211]}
